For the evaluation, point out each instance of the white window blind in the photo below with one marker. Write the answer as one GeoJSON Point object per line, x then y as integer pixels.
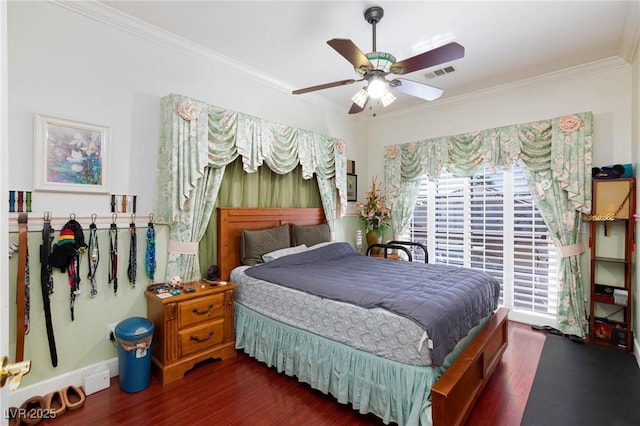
{"type": "Point", "coordinates": [489, 222]}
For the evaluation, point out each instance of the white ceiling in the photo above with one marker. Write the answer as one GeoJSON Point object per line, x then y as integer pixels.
{"type": "Point", "coordinates": [505, 41]}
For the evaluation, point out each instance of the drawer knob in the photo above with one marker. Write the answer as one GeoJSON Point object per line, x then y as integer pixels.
{"type": "Point", "coordinates": [196, 311]}
{"type": "Point", "coordinates": [202, 339]}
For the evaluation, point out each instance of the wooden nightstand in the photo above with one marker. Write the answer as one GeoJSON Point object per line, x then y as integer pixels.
{"type": "Point", "coordinates": [190, 327]}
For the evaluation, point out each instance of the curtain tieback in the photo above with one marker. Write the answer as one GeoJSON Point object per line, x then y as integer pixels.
{"type": "Point", "coordinates": [572, 250]}
{"type": "Point", "coordinates": [182, 247]}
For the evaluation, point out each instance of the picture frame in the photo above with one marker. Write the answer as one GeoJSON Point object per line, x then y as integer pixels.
{"type": "Point", "coordinates": [351, 167]}
{"type": "Point", "coordinates": [70, 156]}
{"type": "Point", "coordinates": [352, 187]}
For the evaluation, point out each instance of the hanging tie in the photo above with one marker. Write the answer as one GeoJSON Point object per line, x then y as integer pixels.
{"type": "Point", "coordinates": [150, 254]}
{"type": "Point", "coordinates": [73, 273]}
{"type": "Point", "coordinates": [94, 256]}
{"type": "Point", "coordinates": [133, 248]}
{"type": "Point", "coordinates": [27, 296]}
{"type": "Point", "coordinates": [113, 259]}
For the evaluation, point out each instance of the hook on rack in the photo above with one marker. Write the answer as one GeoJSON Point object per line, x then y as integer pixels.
{"type": "Point", "coordinates": [133, 217]}
{"type": "Point", "coordinates": [72, 216]}
{"type": "Point", "coordinates": [47, 216]}
{"type": "Point", "coordinates": [93, 218]}
{"type": "Point", "coordinates": [114, 216]}
{"type": "Point", "coordinates": [150, 217]}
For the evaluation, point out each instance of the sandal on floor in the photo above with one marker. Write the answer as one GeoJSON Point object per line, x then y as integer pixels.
{"type": "Point", "coordinates": [547, 329]}
{"type": "Point", "coordinates": [54, 403]}
{"type": "Point", "coordinates": [31, 410]}
{"type": "Point", "coordinates": [73, 397]}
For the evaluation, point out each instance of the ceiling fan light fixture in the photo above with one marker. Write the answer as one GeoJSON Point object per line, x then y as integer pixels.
{"type": "Point", "coordinates": [360, 98]}
{"type": "Point", "coordinates": [376, 87]}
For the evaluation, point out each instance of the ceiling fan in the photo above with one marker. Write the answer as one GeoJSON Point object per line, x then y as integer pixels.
{"type": "Point", "coordinates": [375, 66]}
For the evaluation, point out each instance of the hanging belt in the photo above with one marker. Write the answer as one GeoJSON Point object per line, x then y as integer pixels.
{"type": "Point", "coordinates": [133, 248]}
{"type": "Point", "coordinates": [94, 257]}
{"type": "Point", "coordinates": [46, 284]}
{"type": "Point", "coordinates": [21, 287]}
{"type": "Point", "coordinates": [113, 259]}
{"type": "Point", "coordinates": [150, 253]}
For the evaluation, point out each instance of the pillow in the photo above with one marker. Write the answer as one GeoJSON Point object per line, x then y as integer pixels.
{"type": "Point", "coordinates": [268, 257]}
{"type": "Point", "coordinates": [311, 234]}
{"type": "Point", "coordinates": [326, 243]}
{"type": "Point", "coordinates": [256, 243]}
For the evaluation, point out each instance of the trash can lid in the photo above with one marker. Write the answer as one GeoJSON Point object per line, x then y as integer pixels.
{"type": "Point", "coordinates": [135, 327]}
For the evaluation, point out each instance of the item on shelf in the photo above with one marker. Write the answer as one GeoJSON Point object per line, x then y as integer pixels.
{"type": "Point", "coordinates": [619, 334]}
{"type": "Point", "coordinates": [602, 329]}
{"type": "Point", "coordinates": [620, 296]}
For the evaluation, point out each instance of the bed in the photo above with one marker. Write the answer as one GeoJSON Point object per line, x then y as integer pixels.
{"type": "Point", "coordinates": [400, 383]}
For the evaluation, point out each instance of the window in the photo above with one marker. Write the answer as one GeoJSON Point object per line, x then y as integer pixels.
{"type": "Point", "coordinates": [490, 222]}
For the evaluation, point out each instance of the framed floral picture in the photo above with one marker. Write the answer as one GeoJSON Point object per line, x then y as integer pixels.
{"type": "Point", "coordinates": [352, 187]}
{"type": "Point", "coordinates": [70, 156]}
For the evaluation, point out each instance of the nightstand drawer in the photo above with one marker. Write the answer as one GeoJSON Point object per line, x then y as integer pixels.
{"type": "Point", "coordinates": [202, 309]}
{"type": "Point", "coordinates": [201, 337]}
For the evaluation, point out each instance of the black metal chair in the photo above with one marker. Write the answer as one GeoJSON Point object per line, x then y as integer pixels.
{"type": "Point", "coordinates": [399, 245]}
{"type": "Point", "coordinates": [414, 244]}
{"type": "Point", "coordinates": [386, 247]}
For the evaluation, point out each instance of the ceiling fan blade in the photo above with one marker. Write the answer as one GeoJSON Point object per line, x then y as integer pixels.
{"type": "Point", "coordinates": [413, 88]}
{"type": "Point", "coordinates": [439, 55]}
{"type": "Point", "coordinates": [324, 86]}
{"type": "Point", "coordinates": [351, 53]}
{"type": "Point", "coordinates": [355, 108]}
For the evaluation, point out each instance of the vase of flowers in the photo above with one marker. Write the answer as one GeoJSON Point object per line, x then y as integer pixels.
{"type": "Point", "coordinates": [374, 214]}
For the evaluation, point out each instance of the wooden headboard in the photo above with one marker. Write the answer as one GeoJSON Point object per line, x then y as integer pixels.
{"type": "Point", "coordinates": [231, 222]}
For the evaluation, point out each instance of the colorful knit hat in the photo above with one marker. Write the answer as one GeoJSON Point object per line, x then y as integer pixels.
{"type": "Point", "coordinates": [70, 241]}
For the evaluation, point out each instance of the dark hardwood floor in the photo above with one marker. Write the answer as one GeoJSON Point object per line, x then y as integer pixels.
{"type": "Point", "coordinates": [242, 391]}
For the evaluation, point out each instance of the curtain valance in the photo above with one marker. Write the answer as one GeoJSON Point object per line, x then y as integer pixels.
{"type": "Point", "coordinates": [561, 145]}
{"type": "Point", "coordinates": [197, 141]}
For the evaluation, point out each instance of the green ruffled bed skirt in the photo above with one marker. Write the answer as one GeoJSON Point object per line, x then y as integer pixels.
{"type": "Point", "coordinates": [393, 391]}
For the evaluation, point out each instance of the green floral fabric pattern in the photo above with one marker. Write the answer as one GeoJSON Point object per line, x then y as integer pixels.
{"type": "Point", "coordinates": [197, 141]}
{"type": "Point", "coordinates": [557, 155]}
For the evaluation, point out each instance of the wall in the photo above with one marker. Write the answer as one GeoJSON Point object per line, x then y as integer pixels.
{"type": "Point", "coordinates": [68, 65]}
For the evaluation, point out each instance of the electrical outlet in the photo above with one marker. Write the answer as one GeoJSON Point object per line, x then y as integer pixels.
{"type": "Point", "coordinates": [111, 328]}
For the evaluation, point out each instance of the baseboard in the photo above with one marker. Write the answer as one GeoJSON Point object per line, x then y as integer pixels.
{"type": "Point", "coordinates": [17, 397]}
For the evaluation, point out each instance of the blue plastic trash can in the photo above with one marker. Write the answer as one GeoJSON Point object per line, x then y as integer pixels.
{"type": "Point", "coordinates": [133, 337]}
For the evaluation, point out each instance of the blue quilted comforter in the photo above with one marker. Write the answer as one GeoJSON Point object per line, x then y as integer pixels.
{"type": "Point", "coordinates": [446, 300]}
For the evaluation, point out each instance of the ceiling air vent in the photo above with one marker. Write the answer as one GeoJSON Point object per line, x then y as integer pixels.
{"type": "Point", "coordinates": [440, 72]}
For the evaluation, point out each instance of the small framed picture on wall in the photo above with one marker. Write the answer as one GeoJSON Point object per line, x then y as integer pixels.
{"type": "Point", "coordinates": [351, 167]}
{"type": "Point", "coordinates": [352, 187]}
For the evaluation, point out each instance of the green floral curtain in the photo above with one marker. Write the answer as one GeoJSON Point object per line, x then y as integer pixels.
{"type": "Point", "coordinates": [264, 188]}
{"type": "Point", "coordinates": [555, 153]}
{"type": "Point", "coordinates": [198, 141]}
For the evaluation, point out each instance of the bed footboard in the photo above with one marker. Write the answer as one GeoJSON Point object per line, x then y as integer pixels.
{"type": "Point", "coordinates": [456, 391]}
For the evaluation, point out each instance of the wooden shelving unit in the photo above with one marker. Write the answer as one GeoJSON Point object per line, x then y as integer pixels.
{"type": "Point", "coordinates": [612, 246]}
